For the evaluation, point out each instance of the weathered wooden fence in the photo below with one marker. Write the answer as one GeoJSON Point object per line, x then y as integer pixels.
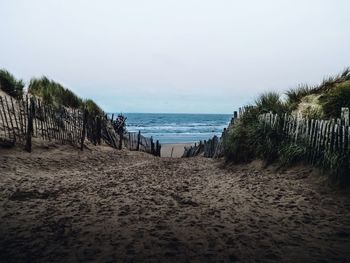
{"type": "Point", "coordinates": [22, 120]}
{"type": "Point", "coordinates": [137, 142]}
{"type": "Point", "coordinates": [214, 147]}
{"type": "Point", "coordinates": [320, 136]}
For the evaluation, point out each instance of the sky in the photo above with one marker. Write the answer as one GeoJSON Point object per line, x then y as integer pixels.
{"type": "Point", "coordinates": [186, 56]}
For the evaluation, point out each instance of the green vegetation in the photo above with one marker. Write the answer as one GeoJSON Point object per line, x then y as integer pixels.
{"type": "Point", "coordinates": [49, 91]}
{"type": "Point", "coordinates": [332, 94]}
{"type": "Point", "coordinates": [249, 139]}
{"type": "Point", "coordinates": [291, 153]}
{"type": "Point", "coordinates": [295, 95]}
{"type": "Point", "coordinates": [335, 99]}
{"type": "Point", "coordinates": [270, 101]}
{"type": "Point", "coordinates": [309, 106]}
{"type": "Point", "coordinates": [54, 93]}
{"type": "Point", "coordinates": [10, 85]}
{"type": "Point", "coordinates": [239, 142]}
{"type": "Point", "coordinates": [92, 108]}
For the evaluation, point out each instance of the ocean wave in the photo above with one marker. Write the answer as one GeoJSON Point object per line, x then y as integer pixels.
{"type": "Point", "coordinates": [176, 128]}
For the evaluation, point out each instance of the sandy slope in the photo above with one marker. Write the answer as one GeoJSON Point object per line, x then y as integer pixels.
{"type": "Point", "coordinates": [109, 206]}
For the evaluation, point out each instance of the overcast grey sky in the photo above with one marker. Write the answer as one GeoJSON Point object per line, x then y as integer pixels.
{"type": "Point", "coordinates": [175, 56]}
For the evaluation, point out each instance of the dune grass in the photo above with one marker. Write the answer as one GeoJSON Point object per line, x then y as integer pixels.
{"type": "Point", "coordinates": [92, 108]}
{"type": "Point", "coordinates": [11, 85]}
{"type": "Point", "coordinates": [50, 92]}
{"type": "Point", "coordinates": [294, 96]}
{"type": "Point", "coordinates": [328, 88]}
{"type": "Point", "coordinates": [270, 102]}
{"type": "Point", "coordinates": [54, 93]}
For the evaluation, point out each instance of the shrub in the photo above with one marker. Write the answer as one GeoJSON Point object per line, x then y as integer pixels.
{"type": "Point", "coordinates": [267, 141]}
{"type": "Point", "coordinates": [270, 101]}
{"type": "Point", "coordinates": [291, 153]}
{"type": "Point", "coordinates": [237, 146]}
{"type": "Point", "coordinates": [337, 165]}
{"type": "Point", "coordinates": [249, 139]}
{"type": "Point", "coordinates": [335, 99]}
{"type": "Point", "coordinates": [10, 85]}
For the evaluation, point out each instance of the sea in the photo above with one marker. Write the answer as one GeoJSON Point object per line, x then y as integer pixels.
{"type": "Point", "coordinates": [176, 127]}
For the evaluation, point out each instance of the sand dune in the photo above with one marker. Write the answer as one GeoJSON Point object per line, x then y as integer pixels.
{"type": "Point", "coordinates": [59, 204]}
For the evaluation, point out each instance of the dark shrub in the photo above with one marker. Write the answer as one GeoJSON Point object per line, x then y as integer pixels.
{"type": "Point", "coordinates": [270, 101]}
{"type": "Point", "coordinates": [10, 85]}
{"type": "Point", "coordinates": [249, 139]}
{"type": "Point", "coordinates": [335, 99]}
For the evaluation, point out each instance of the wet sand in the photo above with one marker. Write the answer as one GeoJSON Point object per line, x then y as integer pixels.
{"type": "Point", "coordinates": [61, 205]}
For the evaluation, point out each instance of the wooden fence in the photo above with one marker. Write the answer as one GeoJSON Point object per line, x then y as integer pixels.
{"type": "Point", "coordinates": [214, 147]}
{"type": "Point", "coordinates": [320, 136]}
{"type": "Point", "coordinates": [137, 142]}
{"type": "Point", "coordinates": [22, 120]}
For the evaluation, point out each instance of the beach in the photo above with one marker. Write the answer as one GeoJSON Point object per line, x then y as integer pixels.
{"type": "Point", "coordinates": [174, 150]}
{"type": "Point", "coordinates": [175, 131]}
{"type": "Point", "coordinates": [102, 205]}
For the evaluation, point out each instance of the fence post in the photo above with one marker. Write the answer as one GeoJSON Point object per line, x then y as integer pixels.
{"type": "Point", "coordinates": [84, 130]}
{"type": "Point", "coordinates": [99, 128]}
{"type": "Point", "coordinates": [158, 149]}
{"type": "Point", "coordinates": [112, 119]}
{"type": "Point", "coordinates": [28, 146]}
{"type": "Point", "coordinates": [152, 146]}
{"type": "Point", "coordinates": [138, 141]}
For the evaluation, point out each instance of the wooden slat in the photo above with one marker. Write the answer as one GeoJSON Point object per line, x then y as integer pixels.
{"type": "Point", "coordinates": [15, 115]}
{"type": "Point", "coordinates": [5, 118]}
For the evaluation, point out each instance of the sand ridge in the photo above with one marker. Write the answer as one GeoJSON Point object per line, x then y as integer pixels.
{"type": "Point", "coordinates": [103, 205]}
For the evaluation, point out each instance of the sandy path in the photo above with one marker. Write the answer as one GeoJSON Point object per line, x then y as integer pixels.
{"type": "Point", "coordinates": [110, 206]}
